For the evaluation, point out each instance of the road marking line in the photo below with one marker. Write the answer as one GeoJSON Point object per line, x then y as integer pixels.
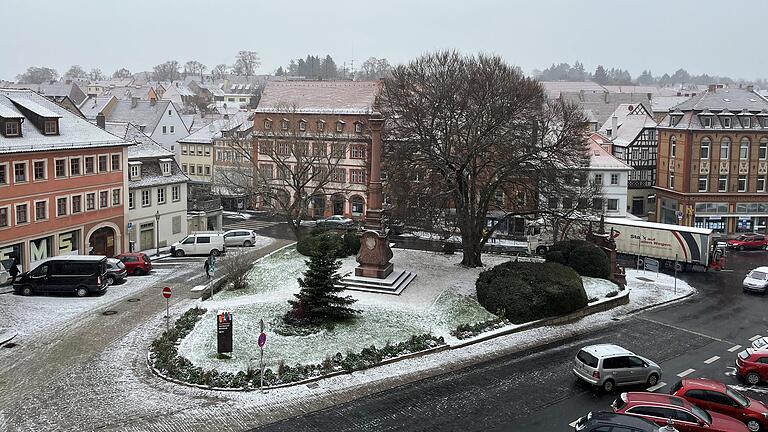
{"type": "Point", "coordinates": [686, 372]}
{"type": "Point", "coordinates": [755, 337]}
{"type": "Point", "coordinates": [573, 423]}
{"type": "Point", "coordinates": [734, 348]}
{"type": "Point", "coordinates": [712, 359]}
{"type": "Point", "coordinates": [191, 279]}
{"type": "Point", "coordinates": [684, 330]}
{"type": "Point", "coordinates": [199, 288]}
{"type": "Point", "coordinates": [656, 387]}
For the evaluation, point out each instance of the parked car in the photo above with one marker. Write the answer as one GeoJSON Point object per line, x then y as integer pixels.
{"type": "Point", "coordinates": [686, 417]}
{"type": "Point", "coordinates": [136, 263]}
{"type": "Point", "coordinates": [752, 365]}
{"type": "Point", "coordinates": [200, 243]}
{"type": "Point", "coordinates": [720, 398]}
{"type": "Point", "coordinates": [79, 274]}
{"type": "Point", "coordinates": [761, 343]}
{"type": "Point", "coordinates": [609, 365]}
{"type": "Point", "coordinates": [756, 280]}
{"type": "Point", "coordinates": [748, 241]}
{"type": "Point", "coordinates": [605, 421]}
{"type": "Point", "coordinates": [336, 221]}
{"type": "Point", "coordinates": [116, 271]}
{"type": "Point", "coordinates": [239, 237]}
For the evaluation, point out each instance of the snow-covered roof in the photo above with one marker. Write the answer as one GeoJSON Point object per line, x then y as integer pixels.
{"type": "Point", "coordinates": [143, 113]}
{"type": "Point", "coordinates": [320, 97]}
{"type": "Point", "coordinates": [600, 159]}
{"type": "Point", "coordinates": [206, 134]}
{"type": "Point", "coordinates": [93, 105]}
{"type": "Point", "coordinates": [144, 147]}
{"type": "Point", "coordinates": [74, 131]}
{"type": "Point", "coordinates": [555, 88]}
{"type": "Point", "coordinates": [664, 103]}
{"type": "Point", "coordinates": [630, 128]}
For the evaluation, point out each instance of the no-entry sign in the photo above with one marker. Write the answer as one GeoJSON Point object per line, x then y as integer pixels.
{"type": "Point", "coordinates": [167, 292]}
{"type": "Point", "coordinates": [262, 339]}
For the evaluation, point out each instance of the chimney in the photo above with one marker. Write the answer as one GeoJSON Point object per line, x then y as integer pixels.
{"type": "Point", "coordinates": [614, 126]}
{"type": "Point", "coordinates": [101, 121]}
{"type": "Point", "coordinates": [750, 88]}
{"type": "Point", "coordinates": [134, 101]}
{"type": "Point", "coordinates": [712, 88]}
{"type": "Point", "coordinates": [152, 101]}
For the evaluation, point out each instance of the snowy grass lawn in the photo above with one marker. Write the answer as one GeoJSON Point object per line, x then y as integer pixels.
{"type": "Point", "coordinates": [441, 298]}
{"type": "Point", "coordinates": [597, 288]}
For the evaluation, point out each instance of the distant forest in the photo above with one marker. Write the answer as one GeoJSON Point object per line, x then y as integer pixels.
{"type": "Point", "coordinates": [618, 76]}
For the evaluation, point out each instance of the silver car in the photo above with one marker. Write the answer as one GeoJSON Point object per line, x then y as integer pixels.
{"type": "Point", "coordinates": [607, 366]}
{"type": "Point", "coordinates": [756, 280]}
{"type": "Point", "coordinates": [239, 237]}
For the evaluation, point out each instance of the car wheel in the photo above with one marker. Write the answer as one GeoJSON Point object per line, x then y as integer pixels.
{"type": "Point", "coordinates": [139, 272]}
{"type": "Point", "coordinates": [741, 248]}
{"type": "Point", "coordinates": [215, 252]}
{"type": "Point", "coordinates": [110, 280]}
{"type": "Point", "coordinates": [753, 378]}
{"type": "Point", "coordinates": [81, 291]}
{"type": "Point", "coordinates": [541, 250]}
{"type": "Point", "coordinates": [247, 243]}
{"type": "Point", "coordinates": [608, 385]}
{"type": "Point", "coordinates": [765, 247]}
{"type": "Point", "coordinates": [27, 290]}
{"type": "Point", "coordinates": [653, 379]}
{"type": "Point", "coordinates": [179, 253]}
{"type": "Point", "coordinates": [753, 425]}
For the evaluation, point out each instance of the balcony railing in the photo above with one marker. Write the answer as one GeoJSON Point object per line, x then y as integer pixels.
{"type": "Point", "coordinates": [203, 204]}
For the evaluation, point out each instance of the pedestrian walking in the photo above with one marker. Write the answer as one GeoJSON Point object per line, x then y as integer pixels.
{"type": "Point", "coordinates": [14, 270]}
{"type": "Point", "coordinates": [207, 267]}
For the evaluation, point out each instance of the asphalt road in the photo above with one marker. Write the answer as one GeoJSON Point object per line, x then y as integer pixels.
{"type": "Point", "coordinates": [536, 391]}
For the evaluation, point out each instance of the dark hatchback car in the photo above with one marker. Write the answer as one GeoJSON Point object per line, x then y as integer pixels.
{"type": "Point", "coordinates": [78, 274]}
{"type": "Point", "coordinates": [608, 421]}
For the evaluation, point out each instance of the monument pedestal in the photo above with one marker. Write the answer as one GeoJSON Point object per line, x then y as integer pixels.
{"type": "Point", "coordinates": [374, 255]}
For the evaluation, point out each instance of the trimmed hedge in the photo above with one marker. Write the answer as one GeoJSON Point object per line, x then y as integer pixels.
{"type": "Point", "coordinates": [341, 245]}
{"type": "Point", "coordinates": [582, 256]}
{"type": "Point", "coordinates": [523, 291]}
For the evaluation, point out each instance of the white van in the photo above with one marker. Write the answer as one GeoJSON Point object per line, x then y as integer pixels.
{"type": "Point", "coordinates": [200, 243]}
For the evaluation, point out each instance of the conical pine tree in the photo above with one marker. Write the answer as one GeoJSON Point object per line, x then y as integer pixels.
{"type": "Point", "coordinates": [318, 300]}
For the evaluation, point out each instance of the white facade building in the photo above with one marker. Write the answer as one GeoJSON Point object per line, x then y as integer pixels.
{"type": "Point", "coordinates": [613, 174]}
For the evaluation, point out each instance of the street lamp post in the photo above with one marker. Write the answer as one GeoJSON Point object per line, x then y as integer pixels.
{"type": "Point", "coordinates": [157, 232]}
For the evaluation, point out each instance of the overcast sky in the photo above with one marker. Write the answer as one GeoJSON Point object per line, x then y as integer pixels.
{"type": "Point", "coordinates": [702, 36]}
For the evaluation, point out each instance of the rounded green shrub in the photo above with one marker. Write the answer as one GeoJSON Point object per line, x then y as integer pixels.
{"type": "Point", "coordinates": [524, 291]}
{"type": "Point", "coordinates": [336, 244]}
{"type": "Point", "coordinates": [556, 256]}
{"type": "Point", "coordinates": [352, 242]}
{"type": "Point", "coordinates": [582, 256]}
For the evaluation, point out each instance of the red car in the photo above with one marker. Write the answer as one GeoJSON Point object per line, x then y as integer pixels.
{"type": "Point", "coordinates": [748, 241]}
{"type": "Point", "coordinates": [136, 263]}
{"type": "Point", "coordinates": [718, 397]}
{"type": "Point", "coordinates": [686, 417]}
{"type": "Point", "coordinates": [752, 365]}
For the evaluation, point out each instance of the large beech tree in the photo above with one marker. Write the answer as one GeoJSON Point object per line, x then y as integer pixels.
{"type": "Point", "coordinates": [473, 127]}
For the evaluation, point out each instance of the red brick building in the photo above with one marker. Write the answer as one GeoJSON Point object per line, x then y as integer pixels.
{"type": "Point", "coordinates": [62, 182]}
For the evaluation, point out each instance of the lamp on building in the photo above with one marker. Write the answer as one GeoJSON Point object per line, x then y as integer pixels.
{"type": "Point", "coordinates": [157, 232]}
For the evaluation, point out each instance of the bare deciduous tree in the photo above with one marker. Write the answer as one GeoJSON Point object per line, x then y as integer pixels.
{"type": "Point", "coordinates": [96, 75]}
{"type": "Point", "coordinates": [194, 67]}
{"type": "Point", "coordinates": [168, 71]}
{"type": "Point", "coordinates": [76, 72]}
{"type": "Point", "coordinates": [246, 63]}
{"type": "Point", "coordinates": [235, 266]}
{"type": "Point", "coordinates": [476, 126]}
{"type": "Point", "coordinates": [122, 73]}
{"type": "Point", "coordinates": [219, 71]}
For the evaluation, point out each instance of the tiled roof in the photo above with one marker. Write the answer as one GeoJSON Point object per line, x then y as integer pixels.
{"type": "Point", "coordinates": [56, 89]}
{"type": "Point", "coordinates": [555, 88]}
{"type": "Point", "coordinates": [144, 146]}
{"type": "Point", "coordinates": [208, 133]}
{"type": "Point", "coordinates": [603, 104]}
{"type": "Point", "coordinates": [630, 128]}
{"type": "Point", "coordinates": [732, 103]}
{"type": "Point", "coordinates": [144, 113]}
{"type": "Point", "coordinates": [655, 91]}
{"type": "Point", "coordinates": [92, 106]}
{"type": "Point", "coordinates": [320, 97]}
{"type": "Point", "coordinates": [664, 103]}
{"type": "Point", "coordinates": [599, 158]}
{"type": "Point", "coordinates": [74, 131]}
{"type": "Point", "coordinates": [734, 99]}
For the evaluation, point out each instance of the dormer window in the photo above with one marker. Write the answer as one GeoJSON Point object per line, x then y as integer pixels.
{"type": "Point", "coordinates": [746, 122]}
{"type": "Point", "coordinates": [339, 126]}
{"type": "Point", "coordinates": [267, 124]}
{"type": "Point", "coordinates": [51, 127]}
{"type": "Point", "coordinates": [165, 164]}
{"type": "Point", "coordinates": [358, 127]}
{"type": "Point", "coordinates": [12, 128]}
{"type": "Point", "coordinates": [320, 125]}
{"type": "Point", "coordinates": [284, 124]}
{"type": "Point", "coordinates": [706, 121]}
{"type": "Point", "coordinates": [674, 119]}
{"type": "Point", "coordinates": [135, 171]}
{"type": "Point", "coordinates": [302, 125]}
{"type": "Point", "coordinates": [726, 122]}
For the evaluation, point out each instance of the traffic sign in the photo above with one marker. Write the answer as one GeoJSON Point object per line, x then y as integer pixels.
{"type": "Point", "coordinates": [652, 265]}
{"type": "Point", "coordinates": [130, 225]}
{"type": "Point", "coordinates": [167, 292]}
{"type": "Point", "coordinates": [262, 340]}
{"type": "Point", "coordinates": [679, 215]}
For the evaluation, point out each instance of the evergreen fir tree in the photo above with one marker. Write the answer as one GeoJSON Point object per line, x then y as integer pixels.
{"type": "Point", "coordinates": [318, 300]}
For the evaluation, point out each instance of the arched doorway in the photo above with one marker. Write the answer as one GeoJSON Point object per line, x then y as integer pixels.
{"type": "Point", "coordinates": [102, 242]}
{"type": "Point", "coordinates": [339, 202]}
{"type": "Point", "coordinates": [358, 205]}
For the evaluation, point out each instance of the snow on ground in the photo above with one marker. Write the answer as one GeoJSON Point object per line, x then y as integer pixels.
{"type": "Point", "coordinates": [648, 288]}
{"type": "Point", "coordinates": [597, 288]}
{"type": "Point", "coordinates": [426, 235]}
{"type": "Point", "coordinates": [28, 316]}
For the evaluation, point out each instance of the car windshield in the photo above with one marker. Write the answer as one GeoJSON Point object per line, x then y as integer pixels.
{"type": "Point", "coordinates": [743, 238]}
{"type": "Point", "coordinates": [754, 274]}
{"type": "Point", "coordinates": [738, 397]}
{"type": "Point", "coordinates": [700, 413]}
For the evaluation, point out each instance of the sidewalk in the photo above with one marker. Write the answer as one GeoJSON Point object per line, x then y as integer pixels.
{"type": "Point", "coordinates": [165, 252]}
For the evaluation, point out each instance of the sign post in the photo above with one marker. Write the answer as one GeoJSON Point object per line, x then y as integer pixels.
{"type": "Point", "coordinates": [675, 274]}
{"type": "Point", "coordinates": [224, 332]}
{"type": "Point", "coordinates": [167, 295]}
{"type": "Point", "coordinates": [262, 341]}
{"type": "Point", "coordinates": [212, 270]}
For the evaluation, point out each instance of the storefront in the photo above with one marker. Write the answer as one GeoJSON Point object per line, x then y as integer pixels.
{"type": "Point", "coordinates": [30, 250]}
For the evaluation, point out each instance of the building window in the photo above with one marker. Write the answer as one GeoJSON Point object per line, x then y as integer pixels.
{"type": "Point", "coordinates": [184, 168]}
{"type": "Point", "coordinates": [200, 150]}
{"type": "Point", "coordinates": [598, 179]}
{"type": "Point", "coordinates": [90, 165]}
{"type": "Point", "coordinates": [552, 203]}
{"type": "Point", "coordinates": [744, 148]}
{"type": "Point", "coordinates": [746, 121]}
{"type": "Point", "coordinates": [12, 129]}
{"type": "Point", "coordinates": [725, 148]}
{"type": "Point", "coordinates": [614, 179]}
{"type": "Point", "coordinates": [358, 127]}
{"type": "Point", "coordinates": [115, 162]}
{"type": "Point", "coordinates": [339, 175]}
{"type": "Point", "coordinates": [77, 203]}
{"type": "Point", "coordinates": [74, 166]}
{"type": "Point", "coordinates": [183, 149]}
{"type": "Point", "coordinates": [103, 199]}
{"type": "Point", "coordinates": [199, 170]}
{"type": "Point", "coordinates": [3, 174]}
{"type": "Point", "coordinates": [207, 170]}
{"type": "Point", "coordinates": [672, 146]}
{"type": "Point", "coordinates": [60, 168]}
{"type": "Point", "coordinates": [339, 126]}
{"type": "Point", "coordinates": [267, 124]}
{"type": "Point", "coordinates": [103, 163]}
{"type": "Point", "coordinates": [358, 151]}
{"type": "Point", "coordinates": [703, 186]}
{"type": "Point", "coordinates": [165, 130]}
{"type": "Point", "coordinates": [320, 125]}
{"type": "Point", "coordinates": [38, 169]}
{"type": "Point", "coordinates": [705, 144]}
{"type": "Point", "coordinates": [284, 124]}
{"type": "Point", "coordinates": [41, 210]}
{"type": "Point", "coordinates": [722, 183]}
{"type": "Point", "coordinates": [19, 172]}
{"type": "Point", "coordinates": [51, 127]}
{"type": "Point", "coordinates": [357, 205]}
{"type": "Point", "coordinates": [357, 176]}
{"type": "Point", "coordinates": [671, 180]}
{"type": "Point", "coordinates": [131, 203]}
{"type": "Point", "coordinates": [175, 193]}
{"type": "Point", "coordinates": [172, 129]}
{"type": "Point", "coordinates": [146, 199]}
{"type": "Point", "coordinates": [742, 183]}
{"type": "Point", "coordinates": [21, 214]}
{"type": "Point", "coordinates": [339, 150]}
{"type": "Point", "coordinates": [761, 184]}
{"type": "Point", "coordinates": [613, 204]}
{"type": "Point", "coordinates": [707, 121]}
{"type": "Point", "coordinates": [207, 150]}
{"type": "Point", "coordinates": [161, 195]}
{"type": "Point", "coordinates": [762, 152]}
{"type": "Point", "coordinates": [61, 206]}
{"type": "Point", "coordinates": [727, 122]}
{"type": "Point", "coordinates": [3, 217]}
{"type": "Point", "coordinates": [176, 222]}
{"type": "Point", "coordinates": [302, 125]}
{"type": "Point", "coordinates": [115, 197]}
{"type": "Point", "coordinates": [135, 171]}
{"type": "Point", "coordinates": [169, 112]}
{"type": "Point", "coordinates": [166, 168]}
{"type": "Point", "coordinates": [90, 201]}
